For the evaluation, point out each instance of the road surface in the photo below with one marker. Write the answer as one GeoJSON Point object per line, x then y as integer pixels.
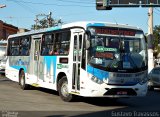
{"type": "Point", "coordinates": [44, 102]}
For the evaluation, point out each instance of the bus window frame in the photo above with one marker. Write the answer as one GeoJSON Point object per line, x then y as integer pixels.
{"type": "Point", "coordinates": [54, 33]}
{"type": "Point", "coordinates": [9, 45]}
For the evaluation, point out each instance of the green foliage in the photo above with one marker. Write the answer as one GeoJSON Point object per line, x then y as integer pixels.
{"type": "Point", "coordinates": [156, 40]}
{"type": "Point", "coordinates": [44, 23]}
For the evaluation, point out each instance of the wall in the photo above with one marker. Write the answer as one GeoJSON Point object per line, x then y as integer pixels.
{"type": "Point", "coordinates": [6, 30]}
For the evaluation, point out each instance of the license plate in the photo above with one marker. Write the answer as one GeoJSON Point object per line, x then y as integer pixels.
{"type": "Point", "coordinates": [121, 93]}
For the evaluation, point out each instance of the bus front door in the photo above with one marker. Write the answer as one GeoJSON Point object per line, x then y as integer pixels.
{"type": "Point", "coordinates": [77, 50]}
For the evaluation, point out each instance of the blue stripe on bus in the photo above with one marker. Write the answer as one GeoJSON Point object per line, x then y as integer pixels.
{"type": "Point", "coordinates": [19, 67]}
{"type": "Point", "coordinates": [53, 28]}
{"type": "Point", "coordinates": [51, 60]}
{"type": "Point", "coordinates": [100, 74]}
{"type": "Point", "coordinates": [95, 24]}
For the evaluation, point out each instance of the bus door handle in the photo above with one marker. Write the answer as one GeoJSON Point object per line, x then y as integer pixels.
{"type": "Point", "coordinates": [36, 55]}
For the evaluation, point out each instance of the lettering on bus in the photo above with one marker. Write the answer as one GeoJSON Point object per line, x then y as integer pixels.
{"type": "Point", "coordinates": [103, 49]}
{"type": "Point", "coordinates": [60, 66]}
{"type": "Point", "coordinates": [104, 55]}
{"type": "Point", "coordinates": [18, 62]}
{"type": "Point", "coordinates": [113, 31]}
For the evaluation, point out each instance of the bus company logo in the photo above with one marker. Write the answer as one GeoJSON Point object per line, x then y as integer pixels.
{"type": "Point", "coordinates": [60, 66]}
{"type": "Point", "coordinates": [100, 49]}
{"type": "Point", "coordinates": [103, 49]}
{"type": "Point", "coordinates": [20, 62]}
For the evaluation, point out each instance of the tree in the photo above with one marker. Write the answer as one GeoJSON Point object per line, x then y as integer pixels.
{"type": "Point", "coordinates": [46, 22]}
{"type": "Point", "coordinates": [156, 40]}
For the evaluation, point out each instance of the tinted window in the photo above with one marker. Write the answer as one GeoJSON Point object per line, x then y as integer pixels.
{"type": "Point", "coordinates": [156, 71]}
{"type": "Point", "coordinates": [19, 46]}
{"type": "Point", "coordinates": [13, 47]}
{"type": "Point", "coordinates": [47, 45]}
{"type": "Point", "coordinates": [62, 42]}
{"type": "Point", "coordinates": [56, 44]}
{"type": "Point", "coordinates": [24, 46]}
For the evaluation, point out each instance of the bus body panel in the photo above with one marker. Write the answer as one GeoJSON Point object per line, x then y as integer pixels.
{"type": "Point", "coordinates": [45, 71]}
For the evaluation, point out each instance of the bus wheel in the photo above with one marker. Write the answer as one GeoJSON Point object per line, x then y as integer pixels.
{"type": "Point", "coordinates": [22, 80]}
{"type": "Point", "coordinates": [63, 90]}
{"type": "Point", "coordinates": [150, 88]}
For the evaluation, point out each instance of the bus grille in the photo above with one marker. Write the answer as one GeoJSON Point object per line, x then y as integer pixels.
{"type": "Point", "coordinates": [123, 75]}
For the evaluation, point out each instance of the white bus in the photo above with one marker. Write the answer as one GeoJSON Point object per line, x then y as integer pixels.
{"type": "Point", "coordinates": [3, 45]}
{"type": "Point", "coordinates": [91, 59]}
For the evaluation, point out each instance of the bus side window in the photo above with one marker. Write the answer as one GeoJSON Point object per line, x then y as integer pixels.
{"type": "Point", "coordinates": [14, 50]}
{"type": "Point", "coordinates": [47, 45]}
{"type": "Point", "coordinates": [24, 46]}
{"type": "Point", "coordinates": [62, 42]}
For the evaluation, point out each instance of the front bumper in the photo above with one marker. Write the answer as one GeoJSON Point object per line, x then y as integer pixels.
{"type": "Point", "coordinates": [105, 90]}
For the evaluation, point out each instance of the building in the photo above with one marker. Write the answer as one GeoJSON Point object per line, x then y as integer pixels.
{"type": "Point", "coordinates": [6, 30]}
{"type": "Point", "coordinates": [21, 30]}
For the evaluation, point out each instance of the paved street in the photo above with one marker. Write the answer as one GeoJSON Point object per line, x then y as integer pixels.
{"type": "Point", "coordinates": [43, 102]}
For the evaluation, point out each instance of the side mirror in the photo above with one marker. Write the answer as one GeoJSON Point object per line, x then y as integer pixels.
{"type": "Point", "coordinates": [87, 44]}
{"type": "Point", "coordinates": [87, 36]}
{"type": "Point", "coordinates": [145, 38]}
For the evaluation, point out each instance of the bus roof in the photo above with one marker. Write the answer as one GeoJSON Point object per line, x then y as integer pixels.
{"type": "Point", "coordinates": [83, 24]}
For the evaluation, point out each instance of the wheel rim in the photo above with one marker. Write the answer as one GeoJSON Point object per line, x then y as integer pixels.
{"type": "Point", "coordinates": [64, 89]}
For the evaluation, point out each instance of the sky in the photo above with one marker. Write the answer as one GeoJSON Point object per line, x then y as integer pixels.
{"type": "Point", "coordinates": [22, 13]}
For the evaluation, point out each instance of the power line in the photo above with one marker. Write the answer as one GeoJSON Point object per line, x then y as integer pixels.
{"type": "Point", "coordinates": [157, 9]}
{"type": "Point", "coordinates": [50, 3]}
{"type": "Point", "coordinates": [9, 17]}
{"type": "Point", "coordinates": [157, 13]}
{"type": "Point", "coordinates": [76, 1]}
{"type": "Point", "coordinates": [24, 6]}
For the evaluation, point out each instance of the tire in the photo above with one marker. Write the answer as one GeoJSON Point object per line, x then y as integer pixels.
{"type": "Point", "coordinates": [63, 90]}
{"type": "Point", "coordinates": [22, 82]}
{"type": "Point", "coordinates": [150, 88]}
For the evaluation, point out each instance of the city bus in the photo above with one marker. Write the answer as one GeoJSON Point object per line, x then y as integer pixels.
{"type": "Point", "coordinates": [89, 59]}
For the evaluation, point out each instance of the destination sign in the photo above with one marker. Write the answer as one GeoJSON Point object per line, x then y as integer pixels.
{"type": "Point", "coordinates": [113, 31]}
{"type": "Point", "coordinates": [104, 55]}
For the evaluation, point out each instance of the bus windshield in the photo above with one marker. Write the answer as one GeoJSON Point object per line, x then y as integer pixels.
{"type": "Point", "coordinates": [118, 53]}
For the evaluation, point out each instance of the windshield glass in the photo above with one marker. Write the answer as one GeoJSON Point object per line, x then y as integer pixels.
{"type": "Point", "coordinates": [118, 52]}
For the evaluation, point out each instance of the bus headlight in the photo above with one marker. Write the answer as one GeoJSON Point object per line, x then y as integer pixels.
{"type": "Point", "coordinates": [96, 80]}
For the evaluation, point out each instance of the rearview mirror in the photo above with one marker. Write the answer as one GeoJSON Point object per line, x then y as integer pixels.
{"type": "Point", "coordinates": [87, 44]}
{"type": "Point", "coordinates": [87, 37]}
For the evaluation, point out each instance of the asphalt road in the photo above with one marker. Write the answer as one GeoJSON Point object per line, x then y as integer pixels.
{"type": "Point", "coordinates": [42, 102]}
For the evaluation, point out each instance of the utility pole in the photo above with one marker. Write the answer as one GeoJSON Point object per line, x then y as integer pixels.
{"type": "Point", "coordinates": [36, 20]}
{"type": "Point", "coordinates": [47, 17]}
{"type": "Point", "coordinates": [150, 40]}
